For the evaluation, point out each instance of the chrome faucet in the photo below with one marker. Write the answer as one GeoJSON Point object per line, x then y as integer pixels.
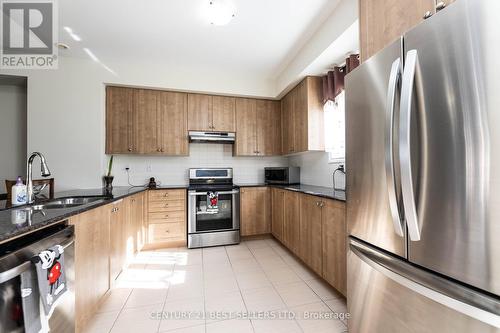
{"type": "Point", "coordinates": [29, 177]}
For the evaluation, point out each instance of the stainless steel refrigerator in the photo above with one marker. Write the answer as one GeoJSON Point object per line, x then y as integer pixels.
{"type": "Point", "coordinates": [423, 180]}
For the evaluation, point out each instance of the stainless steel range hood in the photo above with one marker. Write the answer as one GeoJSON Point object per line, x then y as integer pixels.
{"type": "Point", "coordinates": [212, 137]}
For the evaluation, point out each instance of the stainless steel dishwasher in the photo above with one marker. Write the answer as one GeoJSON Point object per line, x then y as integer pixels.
{"type": "Point", "coordinates": [15, 260]}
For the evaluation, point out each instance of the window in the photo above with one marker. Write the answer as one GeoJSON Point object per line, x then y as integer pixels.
{"type": "Point", "coordinates": [335, 129]}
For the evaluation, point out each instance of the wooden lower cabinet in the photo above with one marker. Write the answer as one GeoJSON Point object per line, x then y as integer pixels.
{"type": "Point", "coordinates": [255, 211]}
{"type": "Point", "coordinates": [291, 221]}
{"type": "Point", "coordinates": [278, 213]}
{"type": "Point", "coordinates": [334, 244]}
{"type": "Point", "coordinates": [134, 225]}
{"type": "Point", "coordinates": [167, 218]}
{"type": "Point", "coordinates": [118, 239]}
{"type": "Point", "coordinates": [92, 248]}
{"type": "Point", "coordinates": [310, 250]}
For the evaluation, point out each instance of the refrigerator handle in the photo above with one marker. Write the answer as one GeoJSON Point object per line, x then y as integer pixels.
{"type": "Point", "coordinates": [407, 89]}
{"type": "Point", "coordinates": [389, 146]}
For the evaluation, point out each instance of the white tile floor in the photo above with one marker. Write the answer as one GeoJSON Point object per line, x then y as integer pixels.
{"type": "Point", "coordinates": [256, 286]}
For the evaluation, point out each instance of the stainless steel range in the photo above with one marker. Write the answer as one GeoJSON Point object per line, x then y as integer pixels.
{"type": "Point", "coordinates": [213, 208]}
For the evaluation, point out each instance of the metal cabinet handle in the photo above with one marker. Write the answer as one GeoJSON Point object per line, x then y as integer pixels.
{"type": "Point", "coordinates": [129, 149]}
{"type": "Point", "coordinates": [440, 5]}
{"type": "Point", "coordinates": [166, 194]}
{"type": "Point", "coordinates": [394, 79]}
{"type": "Point", "coordinates": [405, 145]}
{"type": "Point", "coordinates": [427, 15]}
{"type": "Point", "coordinates": [158, 149]}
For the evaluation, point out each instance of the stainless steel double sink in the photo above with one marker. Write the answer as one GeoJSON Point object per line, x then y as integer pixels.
{"type": "Point", "coordinates": [68, 202]}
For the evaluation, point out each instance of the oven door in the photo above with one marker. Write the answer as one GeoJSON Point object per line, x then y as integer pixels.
{"type": "Point", "coordinates": [201, 220]}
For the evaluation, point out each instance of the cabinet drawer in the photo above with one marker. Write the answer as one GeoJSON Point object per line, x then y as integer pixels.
{"type": "Point", "coordinates": [160, 195]}
{"type": "Point", "coordinates": [167, 206]}
{"type": "Point", "coordinates": [166, 232]}
{"type": "Point", "coordinates": [167, 217]}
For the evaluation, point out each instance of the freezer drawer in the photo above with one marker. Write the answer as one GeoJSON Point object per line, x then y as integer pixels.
{"type": "Point", "coordinates": [386, 294]}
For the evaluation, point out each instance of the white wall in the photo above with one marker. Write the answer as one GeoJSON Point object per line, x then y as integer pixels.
{"type": "Point", "coordinates": [173, 170]}
{"type": "Point", "coordinates": [12, 132]}
{"type": "Point", "coordinates": [66, 109]}
{"type": "Point", "coordinates": [315, 169]}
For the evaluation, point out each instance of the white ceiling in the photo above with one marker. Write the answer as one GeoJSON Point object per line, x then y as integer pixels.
{"type": "Point", "coordinates": [262, 39]}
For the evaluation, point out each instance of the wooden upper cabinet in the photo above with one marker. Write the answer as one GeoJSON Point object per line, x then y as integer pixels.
{"type": "Point", "coordinates": [334, 244]}
{"type": "Point", "coordinates": [147, 122]}
{"type": "Point", "coordinates": [255, 214]}
{"type": "Point", "coordinates": [246, 122]}
{"type": "Point", "coordinates": [302, 117]}
{"type": "Point", "coordinates": [268, 128]}
{"type": "Point", "coordinates": [174, 123]}
{"type": "Point", "coordinates": [310, 247]}
{"type": "Point", "coordinates": [381, 22]}
{"type": "Point", "coordinates": [199, 112]}
{"type": "Point", "coordinates": [288, 123]}
{"type": "Point", "coordinates": [258, 127]}
{"type": "Point", "coordinates": [223, 114]}
{"type": "Point", "coordinates": [120, 107]}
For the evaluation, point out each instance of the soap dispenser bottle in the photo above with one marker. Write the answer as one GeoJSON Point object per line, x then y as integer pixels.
{"type": "Point", "coordinates": [19, 196]}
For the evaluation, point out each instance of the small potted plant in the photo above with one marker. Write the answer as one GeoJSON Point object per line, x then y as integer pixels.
{"type": "Point", "coordinates": [108, 179]}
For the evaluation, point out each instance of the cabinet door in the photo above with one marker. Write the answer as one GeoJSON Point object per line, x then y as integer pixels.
{"type": "Point", "coordinates": [91, 256]}
{"type": "Point", "coordinates": [120, 107]}
{"type": "Point", "coordinates": [287, 123]}
{"type": "Point", "coordinates": [334, 244]}
{"type": "Point", "coordinates": [255, 211]}
{"type": "Point", "coordinates": [278, 211]}
{"type": "Point", "coordinates": [383, 21]}
{"type": "Point", "coordinates": [268, 127]}
{"type": "Point", "coordinates": [138, 206]}
{"type": "Point", "coordinates": [246, 136]}
{"type": "Point", "coordinates": [147, 122]}
{"type": "Point", "coordinates": [174, 123]}
{"type": "Point", "coordinates": [118, 241]}
{"type": "Point", "coordinates": [199, 112]}
{"type": "Point", "coordinates": [223, 114]}
{"type": "Point", "coordinates": [310, 250]}
{"type": "Point", "coordinates": [291, 221]}
{"type": "Point", "coordinates": [300, 117]}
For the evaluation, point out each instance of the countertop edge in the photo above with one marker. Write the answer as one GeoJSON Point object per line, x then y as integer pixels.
{"type": "Point", "coordinates": [290, 188]}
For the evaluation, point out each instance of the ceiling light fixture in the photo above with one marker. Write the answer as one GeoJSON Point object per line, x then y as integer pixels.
{"type": "Point", "coordinates": [62, 46]}
{"type": "Point", "coordinates": [220, 12]}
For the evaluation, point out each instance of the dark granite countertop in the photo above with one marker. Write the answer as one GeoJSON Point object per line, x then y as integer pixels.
{"type": "Point", "coordinates": [15, 222]}
{"type": "Point", "coordinates": [321, 191]}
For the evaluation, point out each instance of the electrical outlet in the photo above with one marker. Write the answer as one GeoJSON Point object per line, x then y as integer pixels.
{"type": "Point", "coordinates": [149, 168]}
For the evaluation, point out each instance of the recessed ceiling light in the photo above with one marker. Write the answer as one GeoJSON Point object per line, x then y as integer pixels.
{"type": "Point", "coordinates": [220, 12]}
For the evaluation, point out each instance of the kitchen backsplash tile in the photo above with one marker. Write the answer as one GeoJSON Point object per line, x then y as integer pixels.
{"type": "Point", "coordinates": [173, 169]}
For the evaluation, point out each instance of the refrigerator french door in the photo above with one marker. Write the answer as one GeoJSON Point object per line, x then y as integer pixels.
{"type": "Point", "coordinates": [423, 201]}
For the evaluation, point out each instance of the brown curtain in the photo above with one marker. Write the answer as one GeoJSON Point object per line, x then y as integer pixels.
{"type": "Point", "coordinates": [333, 81]}
{"type": "Point", "coordinates": [351, 63]}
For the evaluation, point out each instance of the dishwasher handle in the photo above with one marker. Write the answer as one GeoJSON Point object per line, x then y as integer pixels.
{"type": "Point", "coordinates": [18, 270]}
